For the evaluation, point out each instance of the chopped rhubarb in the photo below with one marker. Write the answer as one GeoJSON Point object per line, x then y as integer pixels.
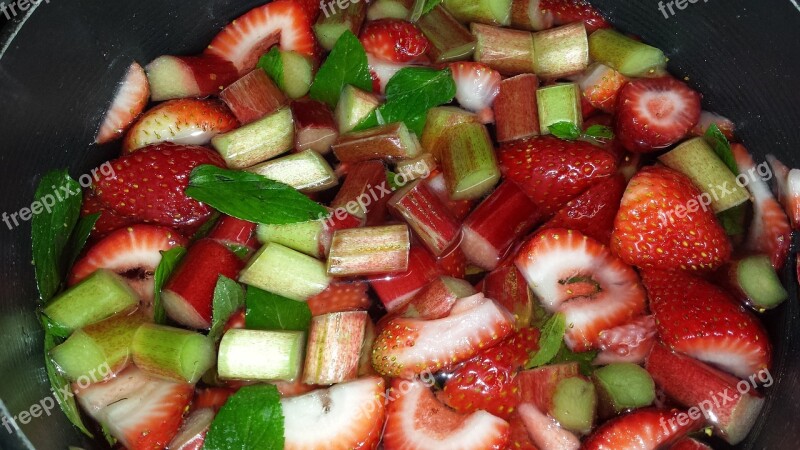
{"type": "Point", "coordinates": [538, 386]}
{"type": "Point", "coordinates": [285, 272]}
{"type": "Point", "coordinates": [559, 103]}
{"type": "Point", "coordinates": [507, 51]}
{"type": "Point", "coordinates": [387, 142]}
{"type": "Point", "coordinates": [253, 96]}
{"type": "Point", "coordinates": [469, 163]}
{"type": "Point", "coordinates": [449, 39]}
{"type": "Point", "coordinates": [306, 171]}
{"type": "Point", "coordinates": [345, 16]}
{"type": "Point", "coordinates": [428, 216]}
{"type": "Point", "coordinates": [508, 287]}
{"type": "Point", "coordinates": [438, 122]}
{"type": "Point", "coordinates": [334, 347]}
{"type": "Point", "coordinates": [258, 141]}
{"type": "Point", "coordinates": [560, 52]}
{"type": "Point", "coordinates": [369, 251]}
{"type": "Point", "coordinates": [435, 300]}
{"type": "Point", "coordinates": [314, 126]}
{"type": "Point", "coordinates": [261, 355]}
{"type": "Point", "coordinates": [363, 187]}
{"type": "Point", "coordinates": [234, 232]}
{"type": "Point", "coordinates": [189, 76]}
{"type": "Point", "coordinates": [516, 113]}
{"type": "Point", "coordinates": [530, 15]}
{"type": "Point", "coordinates": [420, 167]}
{"type": "Point", "coordinates": [172, 353]}
{"type": "Point", "coordinates": [395, 290]}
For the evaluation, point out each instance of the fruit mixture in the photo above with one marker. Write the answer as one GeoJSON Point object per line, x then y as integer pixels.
{"type": "Point", "coordinates": [405, 224]}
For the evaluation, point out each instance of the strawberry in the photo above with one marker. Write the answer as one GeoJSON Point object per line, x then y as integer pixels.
{"type": "Point", "coordinates": [416, 420]}
{"type": "Point", "coordinates": [642, 429]}
{"type": "Point", "coordinates": [407, 347]}
{"type": "Point", "coordinates": [579, 277]}
{"type": "Point", "coordinates": [654, 113]}
{"type": "Point", "coordinates": [656, 227]}
{"type": "Point", "coordinates": [192, 434]}
{"type": "Point", "coordinates": [149, 185]}
{"type": "Point", "coordinates": [393, 40]}
{"type": "Point", "coordinates": [689, 444]}
{"type": "Point", "coordinates": [725, 125]}
{"type": "Point", "coordinates": [243, 41]}
{"type": "Point", "coordinates": [395, 290]}
{"type": "Point", "coordinates": [567, 11]}
{"type": "Point", "coordinates": [477, 85]}
{"type": "Point", "coordinates": [488, 381]}
{"type": "Point", "coordinates": [381, 72]}
{"type": "Point", "coordinates": [552, 171]}
{"type": "Point", "coordinates": [518, 437]}
{"type": "Point", "coordinates": [437, 184]}
{"type": "Point", "coordinates": [770, 232]}
{"type": "Point", "coordinates": [340, 296]}
{"type": "Point", "coordinates": [108, 220]}
{"type": "Point", "coordinates": [545, 431]}
{"type": "Point", "coordinates": [508, 287]}
{"type": "Point", "coordinates": [184, 121]}
{"type": "Point", "coordinates": [788, 187]}
{"type": "Point", "coordinates": [701, 320]}
{"type": "Point", "coordinates": [600, 86]}
{"type": "Point", "coordinates": [593, 212]}
{"type": "Point", "coordinates": [630, 342]}
{"type": "Point", "coordinates": [453, 264]}
{"type": "Point", "coordinates": [312, 8]}
{"type": "Point", "coordinates": [129, 101]}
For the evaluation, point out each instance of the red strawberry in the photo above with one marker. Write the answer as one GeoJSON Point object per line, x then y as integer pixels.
{"type": "Point", "coordinates": [184, 121]}
{"type": "Point", "coordinates": [579, 277]}
{"type": "Point", "coordinates": [567, 11]}
{"type": "Point", "coordinates": [657, 228]}
{"type": "Point", "coordinates": [340, 296]}
{"type": "Point", "coordinates": [654, 113]}
{"type": "Point", "coordinates": [508, 287]}
{"type": "Point", "coordinates": [545, 431]}
{"type": "Point", "coordinates": [416, 420]}
{"type": "Point", "coordinates": [129, 101]}
{"type": "Point", "coordinates": [407, 347]}
{"type": "Point", "coordinates": [311, 8]}
{"type": "Point", "coordinates": [689, 444]}
{"type": "Point", "coordinates": [477, 85]}
{"type": "Point", "coordinates": [630, 342]}
{"type": "Point", "coordinates": [601, 85]}
{"type": "Point", "coordinates": [211, 397]}
{"type": "Point", "coordinates": [149, 185]}
{"type": "Point", "coordinates": [243, 41]}
{"type": "Point", "coordinates": [393, 40]}
{"type": "Point", "coordinates": [518, 437]}
{"type": "Point", "coordinates": [395, 290]}
{"type": "Point", "coordinates": [553, 171]}
{"type": "Point", "coordinates": [788, 184]}
{"type": "Point", "coordinates": [453, 264]}
{"type": "Point", "coordinates": [642, 429]}
{"type": "Point", "coordinates": [725, 125]}
{"type": "Point", "coordinates": [192, 434]}
{"type": "Point", "coordinates": [108, 220]}
{"type": "Point", "coordinates": [701, 320]}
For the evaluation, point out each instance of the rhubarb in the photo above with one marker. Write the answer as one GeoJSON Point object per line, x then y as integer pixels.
{"type": "Point", "coordinates": [468, 162]}
{"type": "Point", "coordinates": [516, 113]}
{"type": "Point", "coordinates": [354, 106]}
{"type": "Point", "coordinates": [172, 353]}
{"type": "Point", "coordinates": [334, 347]}
{"type": "Point", "coordinates": [428, 216]}
{"type": "Point", "coordinates": [559, 103]}
{"type": "Point", "coordinates": [755, 282]}
{"type": "Point", "coordinates": [388, 142]}
{"type": "Point", "coordinates": [435, 300]}
{"type": "Point", "coordinates": [253, 97]}
{"type": "Point", "coordinates": [314, 126]}
{"type": "Point", "coordinates": [291, 71]}
{"type": "Point", "coordinates": [261, 355]}
{"type": "Point", "coordinates": [622, 386]}
{"type": "Point", "coordinates": [538, 386]}
{"type": "Point", "coordinates": [449, 39]}
{"type": "Point", "coordinates": [188, 76]}
{"type": "Point", "coordinates": [369, 251]}
{"type": "Point", "coordinates": [285, 272]}
{"type": "Point", "coordinates": [390, 9]}
{"type": "Point", "coordinates": [510, 52]}
{"type": "Point", "coordinates": [305, 237]}
{"type": "Point", "coordinates": [329, 27]}
{"type": "Point", "coordinates": [574, 404]}
{"type": "Point", "coordinates": [483, 11]}
{"type": "Point", "coordinates": [395, 290]}
{"type": "Point", "coordinates": [258, 141]}
{"type": "Point", "coordinates": [437, 124]}
{"type": "Point", "coordinates": [306, 171]}
{"type": "Point", "coordinates": [413, 169]}
{"type": "Point", "coordinates": [529, 15]}
{"type": "Point", "coordinates": [364, 186]}
{"type": "Point", "coordinates": [630, 57]}
{"type": "Point", "coordinates": [560, 52]}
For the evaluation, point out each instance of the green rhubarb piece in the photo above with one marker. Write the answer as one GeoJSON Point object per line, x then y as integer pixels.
{"type": "Point", "coordinates": [330, 27]}
{"type": "Point", "coordinates": [389, 9]}
{"type": "Point", "coordinates": [285, 272]}
{"type": "Point", "coordinates": [354, 106]}
{"type": "Point", "coordinates": [496, 12]}
{"type": "Point", "coordinates": [469, 163]}
{"type": "Point", "coordinates": [510, 52]}
{"type": "Point", "coordinates": [630, 57]}
{"type": "Point", "coordinates": [559, 103]}
{"type": "Point", "coordinates": [291, 71]}
{"type": "Point", "coordinates": [449, 39]}
{"type": "Point", "coordinates": [438, 122]}
{"type": "Point", "coordinates": [302, 236]}
{"type": "Point", "coordinates": [369, 251]}
{"type": "Point", "coordinates": [99, 296]}
{"type": "Point", "coordinates": [261, 355]}
{"type": "Point", "coordinates": [306, 171]}
{"type": "Point", "coordinates": [758, 280]}
{"type": "Point", "coordinates": [560, 52]}
{"type": "Point", "coordinates": [574, 404]}
{"type": "Point", "coordinates": [172, 353]}
{"type": "Point", "coordinates": [622, 386]}
{"type": "Point", "coordinates": [256, 142]}
{"type": "Point", "coordinates": [389, 142]}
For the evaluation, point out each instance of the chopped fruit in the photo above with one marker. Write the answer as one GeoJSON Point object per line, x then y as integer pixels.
{"type": "Point", "coordinates": [568, 11]}
{"type": "Point", "coordinates": [622, 386]}
{"type": "Point", "coordinates": [340, 296]}
{"type": "Point", "coordinates": [407, 347]}
{"type": "Point", "coordinates": [558, 104]}
{"type": "Point", "coordinates": [647, 429]}
{"type": "Point", "coordinates": [453, 264]}
{"type": "Point", "coordinates": [601, 85]}
{"type": "Point", "coordinates": [108, 220]}
{"type": "Point", "coordinates": [188, 76]}
{"type": "Point", "coordinates": [261, 355]}
{"type": "Point", "coordinates": [334, 347]}
{"type": "Point", "coordinates": [184, 121]}
{"type": "Point", "coordinates": [574, 404]}
{"type": "Point", "coordinates": [658, 227]}
{"type": "Point", "coordinates": [468, 162]}
{"type": "Point", "coordinates": [477, 85]}
{"type": "Point", "coordinates": [390, 9]}
{"type": "Point", "coordinates": [689, 444]}
{"type": "Point", "coordinates": [293, 388]}
{"type": "Point", "coordinates": [436, 300]}
{"type": "Point", "coordinates": [312, 9]}
{"type": "Point", "coordinates": [172, 353]}
{"type": "Point", "coordinates": [416, 420]}
{"type": "Point", "coordinates": [630, 57]}
{"type": "Point", "coordinates": [244, 40]}
{"type": "Point", "coordinates": [252, 97]}
{"type": "Point", "coordinates": [449, 40]}
{"type": "Point", "coordinates": [538, 386]}
{"type": "Point", "coordinates": [366, 179]}
{"type": "Point", "coordinates": [518, 437]}
{"type": "Point", "coordinates": [438, 122]}
{"type": "Point", "coordinates": [307, 171]}
{"type": "Point", "coordinates": [285, 272]}
{"type": "Point", "coordinates": [129, 101]}
{"type": "Point", "coordinates": [192, 434]}
{"type": "Point", "coordinates": [755, 282]}
{"type": "Point", "coordinates": [529, 15]}
{"type": "Point", "coordinates": [314, 126]}
{"type": "Point", "coordinates": [416, 168]}
{"type": "Point", "coordinates": [354, 106]}
{"type": "Point", "coordinates": [508, 287]}
{"type": "Point", "coordinates": [393, 40]}
{"type": "Point", "coordinates": [654, 113]}
{"type": "Point", "coordinates": [427, 216]}
{"type": "Point", "coordinates": [709, 118]}
{"type": "Point", "coordinates": [630, 342]}
{"type": "Point", "coordinates": [381, 72]}
{"type": "Point", "coordinates": [482, 11]}
{"type": "Point", "coordinates": [438, 184]}
{"type": "Point", "coordinates": [231, 231]}
{"type": "Point", "coordinates": [560, 52]}
{"type": "Point", "coordinates": [389, 142]}
{"type": "Point", "coordinates": [292, 72]}
{"type": "Point", "coordinates": [258, 141]}
{"type": "Point", "coordinates": [345, 17]}
{"type": "Point", "coordinates": [510, 52]}
{"type": "Point", "coordinates": [369, 251]}
{"type": "Point", "coordinates": [699, 319]}
{"type": "Point", "coordinates": [576, 275]}
{"type": "Point", "coordinates": [788, 184]}
{"type": "Point", "coordinates": [516, 114]}
{"type": "Point", "coordinates": [545, 431]}
{"type": "Point", "coordinates": [343, 417]}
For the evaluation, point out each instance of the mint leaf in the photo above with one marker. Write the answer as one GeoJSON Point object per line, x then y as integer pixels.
{"type": "Point", "coordinates": [722, 147]}
{"type": "Point", "coordinates": [169, 260]}
{"type": "Point", "coordinates": [228, 298]}
{"type": "Point", "coordinates": [207, 226]}
{"type": "Point", "coordinates": [251, 197]}
{"type": "Point", "coordinates": [550, 341]}
{"type": "Point", "coordinates": [252, 418]}
{"type": "Point", "coordinates": [599, 132]}
{"type": "Point", "coordinates": [429, 5]}
{"type": "Point", "coordinates": [51, 229]}
{"type": "Point", "coordinates": [272, 64]}
{"type": "Point", "coordinates": [584, 359]}
{"type": "Point", "coordinates": [346, 64]}
{"type": "Point", "coordinates": [268, 311]}
{"type": "Point", "coordinates": [409, 95]}
{"type": "Point", "coordinates": [565, 130]}
{"type": "Point", "coordinates": [79, 237]}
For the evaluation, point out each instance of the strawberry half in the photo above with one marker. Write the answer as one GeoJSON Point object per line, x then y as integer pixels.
{"type": "Point", "coordinates": [689, 444]}
{"type": "Point", "coordinates": [579, 277]}
{"type": "Point", "coordinates": [654, 113]}
{"type": "Point", "coordinates": [477, 85]}
{"type": "Point", "coordinates": [568, 11]}
{"type": "Point", "coordinates": [788, 186]}
{"type": "Point", "coordinates": [381, 72]}
{"type": "Point", "coordinates": [416, 420]}
{"type": "Point", "coordinates": [725, 125]}
{"type": "Point", "coordinates": [393, 40]}
{"type": "Point", "coordinates": [655, 228]}
{"type": "Point", "coordinates": [600, 86]}
{"type": "Point", "coordinates": [552, 171]}
{"type": "Point", "coordinates": [108, 220]}
{"type": "Point", "coordinates": [630, 342]}
{"type": "Point", "coordinates": [701, 320]}
{"type": "Point", "coordinates": [545, 431]}
{"type": "Point", "coordinates": [340, 296]}
{"type": "Point", "coordinates": [642, 429]}
{"type": "Point", "coordinates": [518, 437]}
{"type": "Point", "coordinates": [312, 9]}
{"type": "Point", "coordinates": [129, 101]}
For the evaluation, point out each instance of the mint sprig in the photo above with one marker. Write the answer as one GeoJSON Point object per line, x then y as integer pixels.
{"type": "Point", "coordinates": [346, 64]}
{"type": "Point", "coordinates": [228, 298]}
{"type": "Point", "coordinates": [722, 147]}
{"type": "Point", "coordinates": [252, 418]}
{"type": "Point", "coordinates": [268, 311]}
{"type": "Point", "coordinates": [272, 64]}
{"type": "Point", "coordinates": [550, 341]}
{"type": "Point", "coordinates": [568, 131]}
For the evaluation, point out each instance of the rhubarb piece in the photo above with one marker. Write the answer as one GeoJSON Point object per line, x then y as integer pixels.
{"type": "Point", "coordinates": [329, 27]}
{"type": "Point", "coordinates": [354, 106]}
{"type": "Point", "coordinates": [439, 121]}
{"type": "Point", "coordinates": [98, 350]}
{"type": "Point", "coordinates": [698, 161]}
{"type": "Point", "coordinates": [559, 103]}
{"type": "Point", "coordinates": [253, 96]}
{"type": "Point", "coordinates": [98, 296]}
{"type": "Point", "coordinates": [516, 114]}
{"type": "Point", "coordinates": [293, 72]}
{"type": "Point", "coordinates": [302, 236]}
{"type": "Point", "coordinates": [505, 216]}
{"type": "Point", "coordinates": [395, 290]}
{"type": "Point", "coordinates": [388, 142]}
{"type": "Point", "coordinates": [545, 431]}
{"type": "Point", "coordinates": [432, 223]}
{"type": "Point", "coordinates": [231, 231]}
{"type": "Point", "coordinates": [334, 347]}
{"type": "Point", "coordinates": [574, 404]}
{"type": "Point", "coordinates": [755, 282]}
{"type": "Point", "coordinates": [560, 52]}
{"type": "Point", "coordinates": [529, 15]}
{"type": "Point", "coordinates": [510, 52]}
{"type": "Point", "coordinates": [623, 386]}
{"type": "Point", "coordinates": [261, 355]}
{"type": "Point", "coordinates": [364, 185]}
{"type": "Point", "coordinates": [129, 101]}
{"type": "Point", "coordinates": [508, 287]}
{"type": "Point", "coordinates": [414, 169]}
{"type": "Point", "coordinates": [365, 359]}
{"type": "Point", "coordinates": [285, 272]}
{"type": "Point", "coordinates": [438, 184]}
{"type": "Point", "coordinates": [306, 171]}
{"type": "Point", "coordinates": [188, 76]}
{"type": "Point", "coordinates": [468, 162]}
{"type": "Point", "coordinates": [537, 386]}
{"type": "Point", "coordinates": [496, 12]}
{"type": "Point", "coordinates": [172, 353]}
{"type": "Point", "coordinates": [435, 300]}
{"type": "Point", "coordinates": [258, 141]}
{"type": "Point", "coordinates": [189, 293]}
{"type": "Point", "coordinates": [314, 127]}
{"type": "Point", "coordinates": [369, 251]}
{"type": "Point", "coordinates": [390, 9]}
{"type": "Point", "coordinates": [630, 57]}
{"type": "Point", "coordinates": [449, 39]}
{"type": "Point", "coordinates": [192, 433]}
{"type": "Point", "coordinates": [600, 85]}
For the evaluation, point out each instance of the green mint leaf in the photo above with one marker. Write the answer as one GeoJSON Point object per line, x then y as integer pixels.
{"type": "Point", "coordinates": [722, 147]}
{"type": "Point", "coordinates": [252, 418]}
{"type": "Point", "coordinates": [391, 180]}
{"type": "Point", "coordinates": [409, 95]}
{"type": "Point", "coordinates": [565, 130]}
{"type": "Point", "coordinates": [251, 197]}
{"type": "Point", "coordinates": [346, 64]}
{"type": "Point", "coordinates": [169, 260]}
{"type": "Point", "coordinates": [79, 237]}
{"type": "Point", "coordinates": [733, 220]}
{"type": "Point", "coordinates": [207, 226]}
{"type": "Point", "coordinates": [539, 315]}
{"type": "Point", "coordinates": [51, 229]}
{"type": "Point", "coordinates": [550, 341]}
{"type": "Point", "coordinates": [599, 132]}
{"type": "Point", "coordinates": [584, 359]}
{"type": "Point", "coordinates": [268, 311]}
{"type": "Point", "coordinates": [429, 5]}
{"type": "Point", "coordinates": [272, 64]}
{"type": "Point", "coordinates": [228, 298]}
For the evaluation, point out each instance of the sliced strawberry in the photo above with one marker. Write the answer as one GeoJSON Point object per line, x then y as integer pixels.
{"type": "Point", "coordinates": [788, 186]}
{"type": "Point", "coordinates": [340, 296]}
{"type": "Point", "coordinates": [293, 388]}
{"type": "Point", "coordinates": [477, 85]}
{"type": "Point", "coordinates": [553, 171]}
{"type": "Point", "coordinates": [129, 101]}
{"type": "Point", "coordinates": [243, 41]}
{"type": "Point", "coordinates": [508, 287]}
{"type": "Point", "coordinates": [699, 319]}
{"type": "Point", "coordinates": [185, 121]}
{"type": "Point", "coordinates": [407, 347]}
{"type": "Point", "coordinates": [725, 125]}
{"type": "Point", "coordinates": [393, 40]}
{"type": "Point", "coordinates": [642, 429]}
{"type": "Point", "coordinates": [630, 342]}
{"type": "Point", "coordinates": [211, 398]}
{"type": "Point", "coordinates": [108, 220]}
{"type": "Point", "coordinates": [576, 275]}
{"type": "Point", "coordinates": [416, 420]}
{"type": "Point", "coordinates": [654, 113]}
{"type": "Point", "coordinates": [192, 434]}
{"type": "Point", "coordinates": [690, 444]}
{"type": "Point", "coordinates": [518, 437]}
{"type": "Point", "coordinates": [381, 72]}
{"type": "Point", "coordinates": [770, 232]}
{"type": "Point", "coordinates": [453, 264]}
{"type": "Point", "coordinates": [656, 228]}
{"type": "Point", "coordinates": [600, 86]}
{"type": "Point", "coordinates": [312, 8]}
{"type": "Point", "coordinates": [396, 290]}
{"type": "Point", "coordinates": [545, 431]}
{"type": "Point", "coordinates": [149, 185]}
{"type": "Point", "coordinates": [568, 11]}
{"type": "Point", "coordinates": [189, 76]}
